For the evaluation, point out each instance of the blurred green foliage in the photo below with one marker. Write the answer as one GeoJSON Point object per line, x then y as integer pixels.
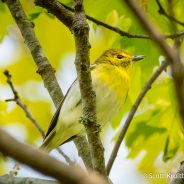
{"type": "Point", "coordinates": [155, 132]}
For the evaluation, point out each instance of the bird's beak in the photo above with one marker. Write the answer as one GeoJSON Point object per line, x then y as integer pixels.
{"type": "Point", "coordinates": [137, 58]}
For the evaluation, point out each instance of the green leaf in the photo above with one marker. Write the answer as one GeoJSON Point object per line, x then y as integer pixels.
{"type": "Point", "coordinates": [144, 130]}
{"type": "Point", "coordinates": [35, 12]}
{"type": "Point", "coordinates": [2, 6]}
{"type": "Point", "coordinates": [33, 16]}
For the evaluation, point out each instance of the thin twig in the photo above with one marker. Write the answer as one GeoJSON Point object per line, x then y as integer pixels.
{"type": "Point", "coordinates": [66, 157]}
{"type": "Point", "coordinates": [162, 11]}
{"type": "Point", "coordinates": [122, 32]}
{"type": "Point", "coordinates": [19, 102]}
{"type": "Point", "coordinates": [112, 28]}
{"type": "Point", "coordinates": [174, 35]}
{"type": "Point", "coordinates": [132, 113]}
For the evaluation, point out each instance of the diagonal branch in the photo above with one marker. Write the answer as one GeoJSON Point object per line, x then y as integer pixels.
{"type": "Point", "coordinates": [162, 11]}
{"type": "Point", "coordinates": [44, 68]}
{"type": "Point", "coordinates": [20, 104]}
{"type": "Point", "coordinates": [122, 32]}
{"type": "Point", "coordinates": [132, 113]}
{"type": "Point", "coordinates": [58, 9]}
{"type": "Point", "coordinates": [172, 55]}
{"type": "Point", "coordinates": [172, 58]}
{"type": "Point", "coordinates": [28, 114]}
{"type": "Point", "coordinates": [112, 28]}
{"type": "Point", "coordinates": [44, 163]}
{"type": "Point", "coordinates": [147, 25]}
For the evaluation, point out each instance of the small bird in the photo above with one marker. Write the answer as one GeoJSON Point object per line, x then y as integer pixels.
{"type": "Point", "coordinates": [110, 80]}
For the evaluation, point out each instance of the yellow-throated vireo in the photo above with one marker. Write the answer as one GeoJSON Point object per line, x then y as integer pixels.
{"type": "Point", "coordinates": [110, 80]}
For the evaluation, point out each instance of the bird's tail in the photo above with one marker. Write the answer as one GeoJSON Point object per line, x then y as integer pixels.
{"type": "Point", "coordinates": [52, 141]}
{"type": "Point", "coordinates": [47, 145]}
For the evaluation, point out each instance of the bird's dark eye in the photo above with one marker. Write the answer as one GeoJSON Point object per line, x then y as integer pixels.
{"type": "Point", "coordinates": [119, 56]}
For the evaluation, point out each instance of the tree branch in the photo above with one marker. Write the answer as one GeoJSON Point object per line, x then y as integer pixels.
{"type": "Point", "coordinates": [44, 68]}
{"type": "Point", "coordinates": [112, 28]}
{"type": "Point", "coordinates": [122, 32]}
{"type": "Point", "coordinates": [44, 163]}
{"type": "Point", "coordinates": [67, 19]}
{"type": "Point", "coordinates": [83, 150]}
{"type": "Point", "coordinates": [174, 35]}
{"type": "Point", "coordinates": [57, 8]}
{"type": "Point", "coordinates": [160, 41]}
{"type": "Point", "coordinates": [7, 179]}
{"type": "Point", "coordinates": [147, 25]}
{"type": "Point", "coordinates": [171, 53]}
{"type": "Point", "coordinates": [65, 16]}
{"type": "Point", "coordinates": [170, 17]}
{"type": "Point", "coordinates": [80, 30]}
{"type": "Point", "coordinates": [66, 157]}
{"type": "Point", "coordinates": [18, 101]}
{"type": "Point", "coordinates": [132, 113]}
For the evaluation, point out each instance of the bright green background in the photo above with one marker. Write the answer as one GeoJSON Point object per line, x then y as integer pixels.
{"type": "Point", "coordinates": [155, 133]}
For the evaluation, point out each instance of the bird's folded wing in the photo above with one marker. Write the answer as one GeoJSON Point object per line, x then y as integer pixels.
{"type": "Point", "coordinates": [56, 115]}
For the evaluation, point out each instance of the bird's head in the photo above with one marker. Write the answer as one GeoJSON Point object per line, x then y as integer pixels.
{"type": "Point", "coordinates": [119, 58]}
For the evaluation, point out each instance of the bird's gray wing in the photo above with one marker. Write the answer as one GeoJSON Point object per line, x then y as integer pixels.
{"type": "Point", "coordinates": [56, 114]}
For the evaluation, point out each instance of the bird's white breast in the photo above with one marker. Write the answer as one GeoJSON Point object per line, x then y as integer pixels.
{"type": "Point", "coordinates": [107, 105]}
